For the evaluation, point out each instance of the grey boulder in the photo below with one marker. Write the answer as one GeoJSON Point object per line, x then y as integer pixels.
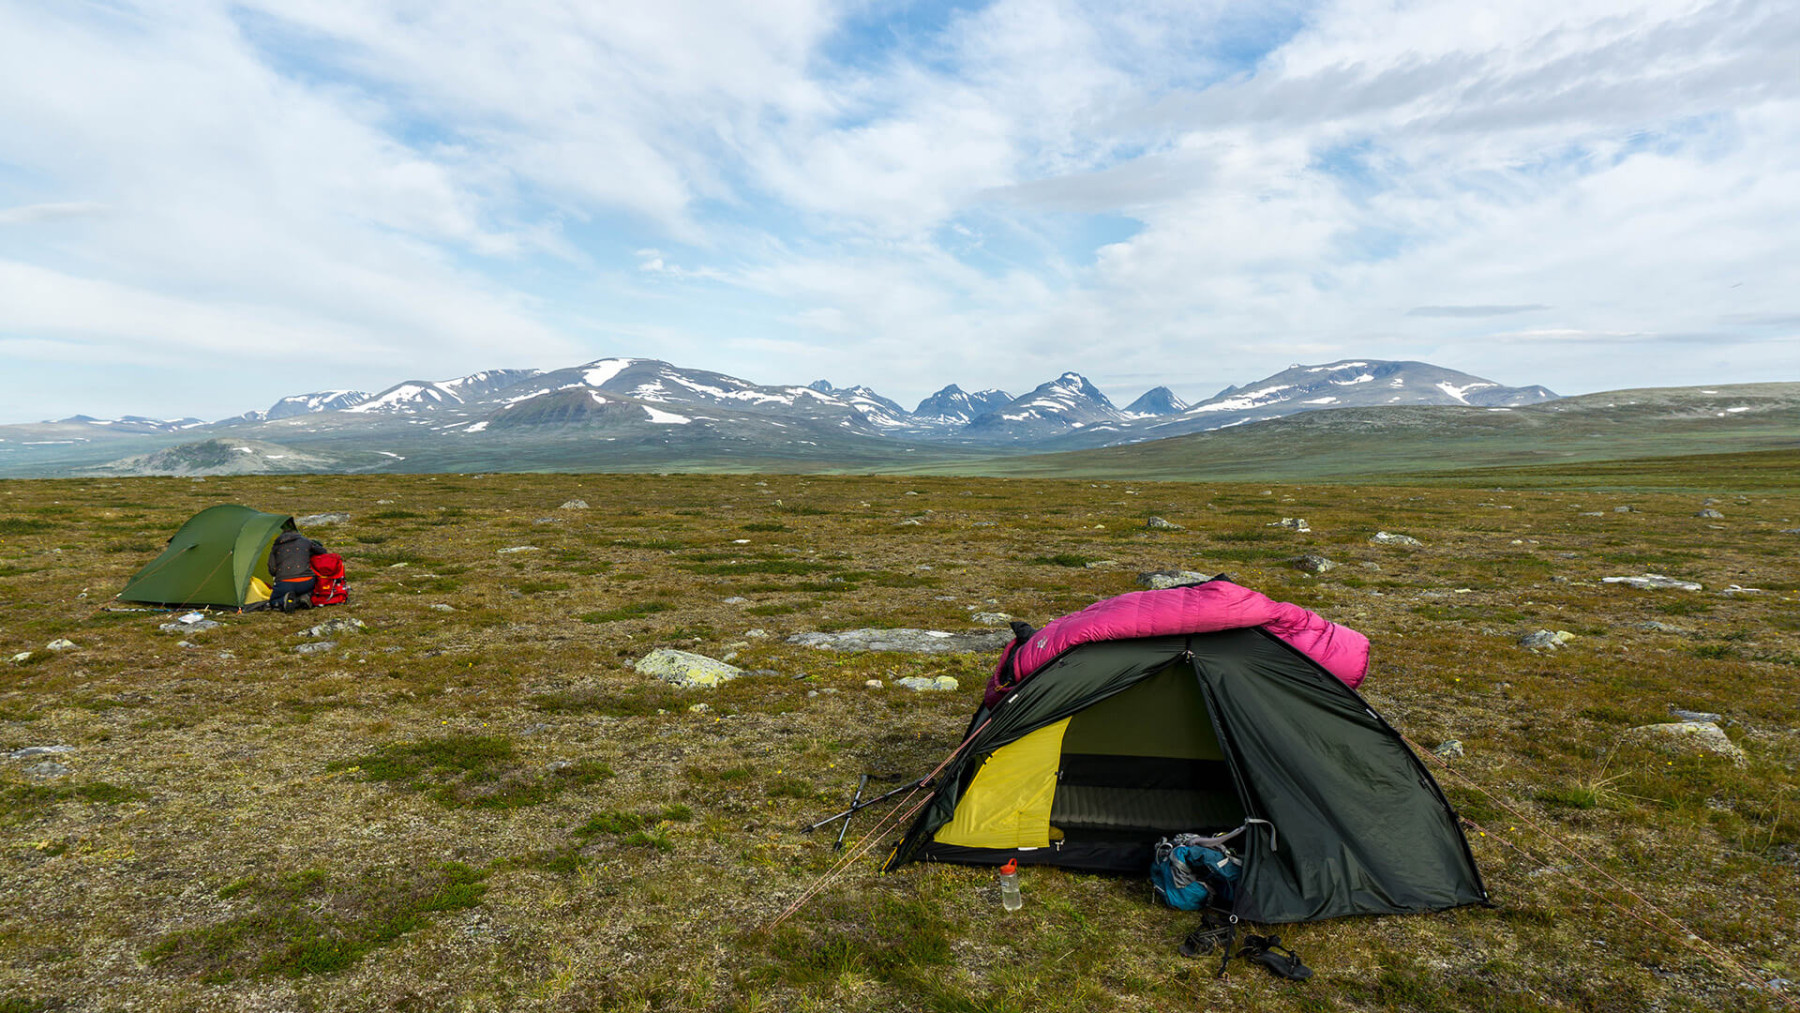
{"type": "Point", "coordinates": [905, 641]}
{"type": "Point", "coordinates": [1653, 582]}
{"type": "Point", "coordinates": [1688, 737]}
{"type": "Point", "coordinates": [1162, 580]}
{"type": "Point", "coordinates": [322, 520]}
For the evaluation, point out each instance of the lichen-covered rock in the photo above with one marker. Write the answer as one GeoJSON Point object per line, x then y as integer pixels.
{"type": "Point", "coordinates": [1291, 523]}
{"type": "Point", "coordinates": [686, 669]}
{"type": "Point", "coordinates": [574, 504]}
{"type": "Point", "coordinates": [30, 751]}
{"type": "Point", "coordinates": [1312, 563]}
{"type": "Point", "coordinates": [905, 641]}
{"type": "Point", "coordinates": [1545, 640]}
{"type": "Point", "coordinates": [1688, 737]}
{"type": "Point", "coordinates": [1450, 749]}
{"type": "Point", "coordinates": [1390, 538]}
{"type": "Point", "coordinates": [1653, 582]}
{"type": "Point", "coordinates": [316, 648]}
{"type": "Point", "coordinates": [1159, 524]}
{"type": "Point", "coordinates": [1161, 580]}
{"type": "Point", "coordinates": [334, 626]}
{"type": "Point", "coordinates": [189, 627]}
{"type": "Point", "coordinates": [60, 644]}
{"type": "Point", "coordinates": [1710, 514]}
{"type": "Point", "coordinates": [919, 684]}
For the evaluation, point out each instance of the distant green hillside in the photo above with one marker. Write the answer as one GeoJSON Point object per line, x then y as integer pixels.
{"type": "Point", "coordinates": [1442, 442]}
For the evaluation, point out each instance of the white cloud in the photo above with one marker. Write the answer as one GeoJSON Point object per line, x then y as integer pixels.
{"type": "Point", "coordinates": [784, 188]}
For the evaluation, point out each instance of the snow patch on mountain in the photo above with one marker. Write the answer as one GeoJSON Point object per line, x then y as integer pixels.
{"type": "Point", "coordinates": [596, 373]}
{"type": "Point", "coordinates": [406, 397]}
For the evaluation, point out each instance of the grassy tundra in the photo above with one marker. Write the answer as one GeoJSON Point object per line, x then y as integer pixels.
{"type": "Point", "coordinates": [482, 807]}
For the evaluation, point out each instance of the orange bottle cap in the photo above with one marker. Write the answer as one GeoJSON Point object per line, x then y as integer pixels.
{"type": "Point", "coordinates": [1011, 866]}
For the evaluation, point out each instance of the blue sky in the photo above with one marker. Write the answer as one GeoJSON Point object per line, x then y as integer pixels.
{"type": "Point", "coordinates": [206, 205]}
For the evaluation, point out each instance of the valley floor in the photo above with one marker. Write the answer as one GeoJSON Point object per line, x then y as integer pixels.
{"type": "Point", "coordinates": [473, 803]}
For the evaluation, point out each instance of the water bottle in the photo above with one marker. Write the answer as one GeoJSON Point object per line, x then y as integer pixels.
{"type": "Point", "coordinates": [1009, 885]}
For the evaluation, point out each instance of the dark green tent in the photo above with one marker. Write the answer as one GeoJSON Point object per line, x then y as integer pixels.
{"type": "Point", "coordinates": [219, 557]}
{"type": "Point", "coordinates": [1119, 742]}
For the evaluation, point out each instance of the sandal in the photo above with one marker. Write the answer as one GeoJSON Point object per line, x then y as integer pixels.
{"type": "Point", "coordinates": [1213, 931]}
{"type": "Point", "coordinates": [1281, 961]}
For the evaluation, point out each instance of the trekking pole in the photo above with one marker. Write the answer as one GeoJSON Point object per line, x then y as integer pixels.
{"type": "Point", "coordinates": [838, 845]}
{"type": "Point", "coordinates": [857, 807]}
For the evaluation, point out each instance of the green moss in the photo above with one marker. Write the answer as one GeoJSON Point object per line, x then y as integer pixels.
{"type": "Point", "coordinates": [310, 923]}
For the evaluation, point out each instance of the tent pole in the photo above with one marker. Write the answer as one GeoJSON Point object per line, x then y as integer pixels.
{"type": "Point", "coordinates": [924, 782]}
{"type": "Point", "coordinates": [838, 845]}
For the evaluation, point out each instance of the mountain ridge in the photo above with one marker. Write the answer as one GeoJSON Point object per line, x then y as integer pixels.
{"type": "Point", "coordinates": [616, 408]}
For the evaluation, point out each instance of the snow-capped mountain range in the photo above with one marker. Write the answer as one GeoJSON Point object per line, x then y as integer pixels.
{"type": "Point", "coordinates": [651, 407]}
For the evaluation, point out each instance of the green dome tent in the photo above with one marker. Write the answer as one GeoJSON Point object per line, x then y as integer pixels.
{"type": "Point", "coordinates": [219, 557]}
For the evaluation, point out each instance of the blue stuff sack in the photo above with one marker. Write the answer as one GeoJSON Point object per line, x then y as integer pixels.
{"type": "Point", "coordinates": [1187, 877]}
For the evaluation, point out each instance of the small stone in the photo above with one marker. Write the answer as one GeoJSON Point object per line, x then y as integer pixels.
{"type": "Point", "coordinates": [686, 669]}
{"type": "Point", "coordinates": [1655, 627]}
{"type": "Point", "coordinates": [872, 683]}
{"type": "Point", "coordinates": [574, 504]}
{"type": "Point", "coordinates": [1790, 531]}
{"type": "Point", "coordinates": [1102, 564]}
{"type": "Point", "coordinates": [757, 634]}
{"type": "Point", "coordinates": [910, 522]}
{"type": "Point", "coordinates": [548, 520]}
{"type": "Point", "coordinates": [1688, 736]}
{"type": "Point", "coordinates": [1545, 640]}
{"type": "Point", "coordinates": [334, 626]}
{"type": "Point", "coordinates": [398, 566]}
{"type": "Point", "coordinates": [940, 684]}
{"type": "Point", "coordinates": [517, 548]}
{"type": "Point", "coordinates": [991, 618]}
{"type": "Point", "coordinates": [1312, 563]}
{"type": "Point", "coordinates": [316, 648]}
{"type": "Point", "coordinates": [322, 520]}
{"type": "Point", "coordinates": [1451, 749]}
{"type": "Point", "coordinates": [1159, 524]}
{"type": "Point", "coordinates": [1371, 566]}
{"type": "Point", "coordinates": [1291, 523]}
{"type": "Point", "coordinates": [1624, 509]}
{"type": "Point", "coordinates": [60, 645]}
{"type": "Point", "coordinates": [47, 769]}
{"type": "Point", "coordinates": [736, 599]}
{"type": "Point", "coordinates": [1653, 582]}
{"type": "Point", "coordinates": [1592, 513]}
{"type": "Point", "coordinates": [1710, 514]}
{"type": "Point", "coordinates": [699, 708]}
{"type": "Point", "coordinates": [21, 658]}
{"type": "Point", "coordinates": [441, 607]}
{"type": "Point", "coordinates": [1389, 538]}
{"type": "Point", "coordinates": [30, 751]}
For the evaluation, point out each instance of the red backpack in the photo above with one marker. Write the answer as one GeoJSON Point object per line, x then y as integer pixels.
{"type": "Point", "coordinates": [332, 588]}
